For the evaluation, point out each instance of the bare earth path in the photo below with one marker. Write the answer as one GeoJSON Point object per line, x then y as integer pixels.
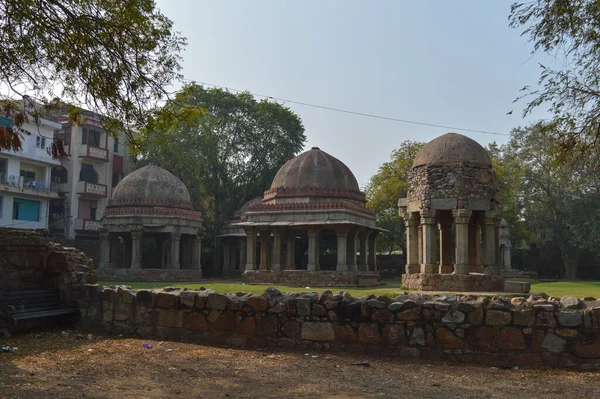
{"type": "Point", "coordinates": [52, 366]}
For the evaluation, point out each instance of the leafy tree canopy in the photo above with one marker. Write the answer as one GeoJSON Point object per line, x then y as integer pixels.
{"type": "Point", "coordinates": [385, 188]}
{"type": "Point", "coordinates": [570, 87]}
{"type": "Point", "coordinates": [226, 155]}
{"type": "Point", "coordinates": [113, 58]}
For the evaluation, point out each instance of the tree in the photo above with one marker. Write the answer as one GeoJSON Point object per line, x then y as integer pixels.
{"type": "Point", "coordinates": [571, 90]}
{"type": "Point", "coordinates": [560, 200]}
{"type": "Point", "coordinates": [114, 58]}
{"type": "Point", "coordinates": [383, 191]}
{"type": "Point", "coordinates": [226, 155]}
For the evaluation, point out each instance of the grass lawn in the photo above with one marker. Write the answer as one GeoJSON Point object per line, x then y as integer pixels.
{"type": "Point", "coordinates": [390, 287]}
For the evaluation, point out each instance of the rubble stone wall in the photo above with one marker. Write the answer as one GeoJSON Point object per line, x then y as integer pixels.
{"type": "Point", "coordinates": [528, 332]}
{"type": "Point", "coordinates": [28, 259]}
{"type": "Point", "coordinates": [303, 278]}
{"type": "Point", "coordinates": [117, 274]}
{"type": "Point", "coordinates": [453, 282]}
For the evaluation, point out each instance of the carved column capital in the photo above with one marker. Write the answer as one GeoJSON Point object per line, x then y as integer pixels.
{"type": "Point", "coordinates": [462, 216]}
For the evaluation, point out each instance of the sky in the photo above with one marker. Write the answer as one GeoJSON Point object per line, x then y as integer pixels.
{"type": "Point", "coordinates": [453, 63]}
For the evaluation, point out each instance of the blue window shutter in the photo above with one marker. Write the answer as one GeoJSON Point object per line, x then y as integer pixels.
{"type": "Point", "coordinates": [5, 122]}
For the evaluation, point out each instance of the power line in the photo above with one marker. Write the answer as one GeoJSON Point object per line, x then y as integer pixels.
{"type": "Point", "coordinates": [324, 107]}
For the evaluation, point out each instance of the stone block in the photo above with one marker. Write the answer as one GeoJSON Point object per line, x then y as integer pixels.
{"type": "Point", "coordinates": [279, 307]}
{"type": "Point", "coordinates": [393, 334]}
{"type": "Point", "coordinates": [453, 316]}
{"type": "Point", "coordinates": [553, 343]}
{"type": "Point", "coordinates": [145, 298]}
{"type": "Point", "coordinates": [570, 302]}
{"type": "Point", "coordinates": [317, 331]}
{"type": "Point", "coordinates": [382, 315]}
{"type": "Point", "coordinates": [368, 333]}
{"type": "Point", "coordinates": [195, 321]}
{"type": "Point", "coordinates": [545, 319]}
{"type": "Point", "coordinates": [303, 306]}
{"type": "Point", "coordinates": [417, 337]}
{"type": "Point", "coordinates": [225, 322]}
{"type": "Point", "coordinates": [258, 303]}
{"type": "Point", "coordinates": [566, 332]}
{"type": "Point", "coordinates": [170, 318]}
{"type": "Point", "coordinates": [498, 318]}
{"type": "Point", "coordinates": [374, 303]}
{"type": "Point", "coordinates": [486, 339]}
{"type": "Point", "coordinates": [247, 326]}
{"type": "Point", "coordinates": [448, 339]}
{"type": "Point", "coordinates": [166, 300]}
{"type": "Point", "coordinates": [267, 326]}
{"type": "Point", "coordinates": [217, 301]}
{"type": "Point", "coordinates": [291, 328]}
{"type": "Point", "coordinates": [590, 351]}
{"type": "Point", "coordinates": [188, 298]}
{"type": "Point", "coordinates": [525, 317]}
{"type": "Point", "coordinates": [409, 314]}
{"type": "Point", "coordinates": [511, 339]}
{"type": "Point", "coordinates": [569, 318]}
{"type": "Point", "coordinates": [319, 310]}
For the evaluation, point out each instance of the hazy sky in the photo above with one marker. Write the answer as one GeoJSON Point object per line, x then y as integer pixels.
{"type": "Point", "coordinates": [454, 63]}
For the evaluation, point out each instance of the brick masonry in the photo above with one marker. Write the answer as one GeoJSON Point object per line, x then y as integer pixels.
{"type": "Point", "coordinates": [116, 274]}
{"type": "Point", "coordinates": [528, 332]}
{"type": "Point", "coordinates": [303, 278]}
{"type": "Point", "coordinates": [453, 282]}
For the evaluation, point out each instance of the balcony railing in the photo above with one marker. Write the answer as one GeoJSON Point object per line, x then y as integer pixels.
{"type": "Point", "coordinates": [87, 224]}
{"type": "Point", "coordinates": [92, 189]}
{"type": "Point", "coordinates": [23, 183]}
{"type": "Point", "coordinates": [92, 152]}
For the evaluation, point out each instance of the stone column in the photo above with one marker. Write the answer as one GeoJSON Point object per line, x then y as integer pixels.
{"type": "Point", "coordinates": [242, 255]}
{"type": "Point", "coordinates": [413, 264]}
{"type": "Point", "coordinates": [313, 250]}
{"type": "Point", "coordinates": [430, 264]}
{"type": "Point", "coordinates": [362, 257]}
{"type": "Point", "coordinates": [474, 245]}
{"type": "Point", "coordinates": [250, 249]}
{"type": "Point", "coordinates": [445, 227]}
{"type": "Point", "coordinates": [461, 221]}
{"type": "Point", "coordinates": [226, 257]}
{"type": "Point", "coordinates": [175, 240]}
{"type": "Point", "coordinates": [277, 250]}
{"type": "Point", "coordinates": [265, 250]}
{"type": "Point", "coordinates": [136, 249]}
{"type": "Point", "coordinates": [342, 237]}
{"type": "Point", "coordinates": [197, 252]}
{"type": "Point", "coordinates": [351, 251]}
{"type": "Point", "coordinates": [489, 243]}
{"type": "Point", "coordinates": [104, 250]}
{"type": "Point", "coordinates": [290, 253]}
{"type": "Point", "coordinates": [497, 243]}
{"type": "Point", "coordinates": [420, 243]}
{"type": "Point", "coordinates": [372, 251]}
{"type": "Point", "coordinates": [507, 264]}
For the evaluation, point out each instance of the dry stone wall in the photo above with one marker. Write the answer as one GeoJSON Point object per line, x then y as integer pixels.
{"type": "Point", "coordinates": [28, 259]}
{"type": "Point", "coordinates": [303, 278]}
{"type": "Point", "coordinates": [530, 332]}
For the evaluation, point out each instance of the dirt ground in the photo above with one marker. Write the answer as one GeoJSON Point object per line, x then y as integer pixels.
{"type": "Point", "coordinates": [49, 365]}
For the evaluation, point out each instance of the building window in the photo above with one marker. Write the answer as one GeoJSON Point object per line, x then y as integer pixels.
{"type": "Point", "coordinates": [88, 174]}
{"type": "Point", "coordinates": [27, 174]}
{"type": "Point", "coordinates": [115, 180]}
{"type": "Point", "coordinates": [26, 210]}
{"type": "Point", "coordinates": [63, 135]}
{"type": "Point", "coordinates": [59, 174]}
{"type": "Point", "coordinates": [116, 145]}
{"type": "Point", "coordinates": [90, 136]}
{"type": "Point", "coordinates": [40, 142]}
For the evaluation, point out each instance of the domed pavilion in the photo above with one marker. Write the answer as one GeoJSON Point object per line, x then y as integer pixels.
{"type": "Point", "coordinates": [150, 229]}
{"type": "Point", "coordinates": [311, 227]}
{"type": "Point", "coordinates": [452, 211]}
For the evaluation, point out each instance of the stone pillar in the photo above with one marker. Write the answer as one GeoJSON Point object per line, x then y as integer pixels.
{"type": "Point", "coordinates": [242, 255]}
{"type": "Point", "coordinates": [461, 221]}
{"type": "Point", "coordinates": [265, 250]}
{"type": "Point", "coordinates": [226, 257]}
{"type": "Point", "coordinates": [445, 227]}
{"type": "Point", "coordinates": [277, 250]}
{"type": "Point", "coordinates": [351, 251]}
{"type": "Point", "coordinates": [342, 237]}
{"type": "Point", "coordinates": [420, 243]}
{"type": "Point", "coordinates": [250, 249]}
{"type": "Point", "coordinates": [474, 245]}
{"type": "Point", "coordinates": [497, 243]}
{"type": "Point", "coordinates": [197, 252]}
{"type": "Point", "coordinates": [313, 250]}
{"type": "Point", "coordinates": [430, 264]}
{"type": "Point", "coordinates": [413, 264]}
{"type": "Point", "coordinates": [507, 264]}
{"type": "Point", "coordinates": [372, 264]}
{"type": "Point", "coordinates": [290, 252]}
{"type": "Point", "coordinates": [136, 249]}
{"type": "Point", "coordinates": [104, 250]}
{"type": "Point", "coordinates": [362, 257]}
{"type": "Point", "coordinates": [490, 240]}
{"type": "Point", "coordinates": [175, 240]}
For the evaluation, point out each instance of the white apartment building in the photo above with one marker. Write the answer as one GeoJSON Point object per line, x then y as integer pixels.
{"type": "Point", "coordinates": [93, 165]}
{"type": "Point", "coordinates": [25, 184]}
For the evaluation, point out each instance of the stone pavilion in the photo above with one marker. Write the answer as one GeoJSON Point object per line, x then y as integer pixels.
{"type": "Point", "coordinates": [150, 231]}
{"type": "Point", "coordinates": [452, 218]}
{"type": "Point", "coordinates": [310, 228]}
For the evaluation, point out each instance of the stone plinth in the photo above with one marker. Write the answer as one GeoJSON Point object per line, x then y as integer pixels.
{"type": "Point", "coordinates": [453, 282]}
{"type": "Point", "coordinates": [149, 274]}
{"type": "Point", "coordinates": [304, 278]}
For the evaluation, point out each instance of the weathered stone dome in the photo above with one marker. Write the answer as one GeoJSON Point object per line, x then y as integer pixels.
{"type": "Point", "coordinates": [452, 148]}
{"type": "Point", "coordinates": [315, 173]}
{"type": "Point", "coordinates": [151, 186]}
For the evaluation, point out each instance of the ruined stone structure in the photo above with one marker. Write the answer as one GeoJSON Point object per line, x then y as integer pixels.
{"type": "Point", "coordinates": [525, 332]}
{"type": "Point", "coordinates": [150, 230]}
{"type": "Point", "coordinates": [452, 186]}
{"type": "Point", "coordinates": [314, 207]}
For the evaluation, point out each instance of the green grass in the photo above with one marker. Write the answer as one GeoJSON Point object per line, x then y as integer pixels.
{"type": "Point", "coordinates": [391, 287]}
{"type": "Point", "coordinates": [558, 289]}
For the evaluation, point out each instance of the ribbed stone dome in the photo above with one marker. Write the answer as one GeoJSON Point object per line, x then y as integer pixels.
{"type": "Point", "coordinates": [452, 148]}
{"type": "Point", "coordinates": [151, 186]}
{"type": "Point", "coordinates": [315, 169]}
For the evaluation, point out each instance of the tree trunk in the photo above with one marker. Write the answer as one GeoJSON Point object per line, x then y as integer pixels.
{"type": "Point", "coordinates": [570, 261]}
